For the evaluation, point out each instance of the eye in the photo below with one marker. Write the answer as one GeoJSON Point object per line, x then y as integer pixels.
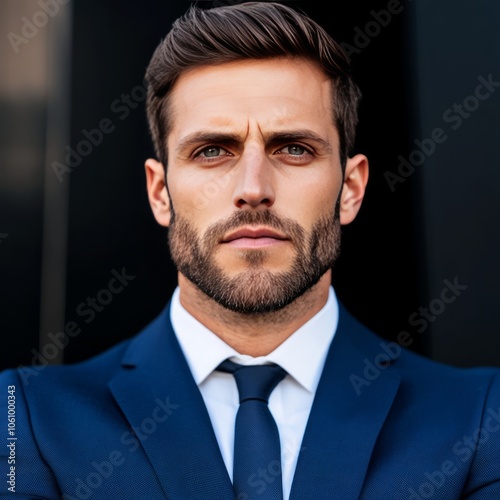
{"type": "Point", "coordinates": [212, 152]}
{"type": "Point", "coordinates": [294, 150]}
{"type": "Point", "coordinates": [296, 153]}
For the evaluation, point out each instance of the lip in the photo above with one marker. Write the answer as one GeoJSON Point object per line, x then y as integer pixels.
{"type": "Point", "coordinates": [265, 235]}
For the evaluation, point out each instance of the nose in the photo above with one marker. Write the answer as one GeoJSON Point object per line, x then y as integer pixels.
{"type": "Point", "coordinates": [254, 185]}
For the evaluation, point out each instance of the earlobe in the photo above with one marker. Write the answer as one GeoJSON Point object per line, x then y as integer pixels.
{"type": "Point", "coordinates": [353, 190]}
{"type": "Point", "coordinates": [157, 191]}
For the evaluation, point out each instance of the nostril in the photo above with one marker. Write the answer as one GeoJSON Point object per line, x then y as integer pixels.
{"type": "Point", "coordinates": [264, 201]}
{"type": "Point", "coordinates": [254, 203]}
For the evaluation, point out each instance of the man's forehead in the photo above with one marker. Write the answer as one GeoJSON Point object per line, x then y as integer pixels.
{"type": "Point", "coordinates": [274, 92]}
{"type": "Point", "coordinates": [252, 78]}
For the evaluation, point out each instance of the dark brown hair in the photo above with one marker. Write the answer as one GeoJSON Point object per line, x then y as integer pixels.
{"type": "Point", "coordinates": [251, 30]}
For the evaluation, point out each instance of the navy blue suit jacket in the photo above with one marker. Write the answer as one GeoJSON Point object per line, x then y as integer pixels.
{"type": "Point", "coordinates": [131, 424]}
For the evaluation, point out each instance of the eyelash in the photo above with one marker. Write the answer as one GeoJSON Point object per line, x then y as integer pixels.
{"type": "Point", "coordinates": [198, 154]}
{"type": "Point", "coordinates": [307, 151]}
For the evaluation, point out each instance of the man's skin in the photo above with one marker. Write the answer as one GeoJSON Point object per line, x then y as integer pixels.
{"type": "Point", "coordinates": [259, 169]}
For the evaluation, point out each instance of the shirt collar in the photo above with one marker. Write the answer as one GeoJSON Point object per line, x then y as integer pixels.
{"type": "Point", "coordinates": [302, 354]}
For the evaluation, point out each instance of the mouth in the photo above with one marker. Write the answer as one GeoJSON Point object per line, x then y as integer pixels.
{"type": "Point", "coordinates": [251, 237]}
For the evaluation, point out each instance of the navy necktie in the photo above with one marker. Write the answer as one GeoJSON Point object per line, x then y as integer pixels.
{"type": "Point", "coordinates": [257, 452]}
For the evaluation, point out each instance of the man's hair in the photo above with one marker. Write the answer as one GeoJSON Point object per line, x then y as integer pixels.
{"type": "Point", "coordinates": [251, 30]}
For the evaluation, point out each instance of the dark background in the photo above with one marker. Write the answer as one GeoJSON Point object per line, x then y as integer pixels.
{"type": "Point", "coordinates": [61, 241]}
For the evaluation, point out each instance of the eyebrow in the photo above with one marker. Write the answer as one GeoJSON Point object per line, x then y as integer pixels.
{"type": "Point", "coordinates": [298, 135]}
{"type": "Point", "coordinates": [271, 138]}
{"type": "Point", "coordinates": [207, 137]}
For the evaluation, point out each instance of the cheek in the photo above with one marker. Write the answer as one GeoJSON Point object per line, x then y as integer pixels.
{"type": "Point", "coordinates": [203, 199]}
{"type": "Point", "coordinates": [309, 199]}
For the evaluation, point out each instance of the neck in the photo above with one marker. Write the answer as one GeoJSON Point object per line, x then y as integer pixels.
{"type": "Point", "coordinates": [255, 335]}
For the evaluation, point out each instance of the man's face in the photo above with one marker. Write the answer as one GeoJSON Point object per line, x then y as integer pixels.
{"type": "Point", "coordinates": [254, 178]}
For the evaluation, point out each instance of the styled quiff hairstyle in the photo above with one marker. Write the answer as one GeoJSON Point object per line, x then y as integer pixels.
{"type": "Point", "coordinates": [252, 30]}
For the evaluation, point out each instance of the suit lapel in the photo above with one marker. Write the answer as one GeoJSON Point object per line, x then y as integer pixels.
{"type": "Point", "coordinates": [159, 397]}
{"type": "Point", "coordinates": [343, 425]}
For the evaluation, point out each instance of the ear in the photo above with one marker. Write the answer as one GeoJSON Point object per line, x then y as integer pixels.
{"type": "Point", "coordinates": [353, 190]}
{"type": "Point", "coordinates": [157, 192]}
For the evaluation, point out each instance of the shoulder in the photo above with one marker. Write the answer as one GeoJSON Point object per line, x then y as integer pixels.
{"type": "Point", "coordinates": [46, 378]}
{"type": "Point", "coordinates": [61, 399]}
{"type": "Point", "coordinates": [93, 374]}
{"type": "Point", "coordinates": [41, 388]}
{"type": "Point", "coordinates": [418, 373]}
{"type": "Point", "coordinates": [444, 420]}
{"type": "Point", "coordinates": [60, 412]}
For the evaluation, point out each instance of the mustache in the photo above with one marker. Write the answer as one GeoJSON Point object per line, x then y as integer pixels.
{"type": "Point", "coordinates": [290, 228]}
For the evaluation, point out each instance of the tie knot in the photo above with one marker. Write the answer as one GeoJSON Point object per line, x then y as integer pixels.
{"type": "Point", "coordinates": [254, 381]}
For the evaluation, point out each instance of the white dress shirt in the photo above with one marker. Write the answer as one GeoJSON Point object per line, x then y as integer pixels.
{"type": "Point", "coordinates": [302, 355]}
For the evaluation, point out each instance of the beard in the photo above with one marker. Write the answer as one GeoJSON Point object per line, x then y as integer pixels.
{"type": "Point", "coordinates": [255, 290]}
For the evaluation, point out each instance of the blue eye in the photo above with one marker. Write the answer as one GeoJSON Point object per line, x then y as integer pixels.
{"type": "Point", "coordinates": [296, 150]}
{"type": "Point", "coordinates": [213, 152]}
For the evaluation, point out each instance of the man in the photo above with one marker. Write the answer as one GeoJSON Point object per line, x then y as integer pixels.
{"type": "Point", "coordinates": [253, 112]}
